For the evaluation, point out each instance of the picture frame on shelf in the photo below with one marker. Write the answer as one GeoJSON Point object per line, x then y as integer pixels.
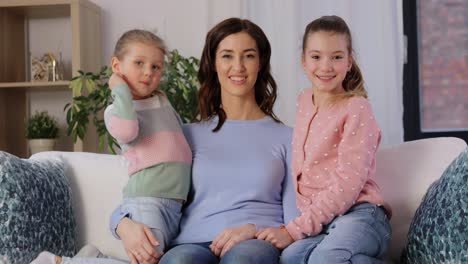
{"type": "Point", "coordinates": [48, 68]}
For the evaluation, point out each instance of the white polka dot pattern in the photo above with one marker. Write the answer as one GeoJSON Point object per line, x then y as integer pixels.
{"type": "Point", "coordinates": [335, 173]}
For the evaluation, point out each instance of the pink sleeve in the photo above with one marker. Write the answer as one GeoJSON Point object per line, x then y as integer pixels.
{"type": "Point", "coordinates": [123, 130]}
{"type": "Point", "coordinates": [356, 161]}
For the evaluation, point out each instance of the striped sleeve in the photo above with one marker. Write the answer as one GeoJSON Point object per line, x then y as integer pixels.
{"type": "Point", "coordinates": [120, 117]}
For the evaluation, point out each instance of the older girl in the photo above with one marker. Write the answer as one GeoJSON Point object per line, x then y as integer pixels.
{"type": "Point", "coordinates": [344, 218]}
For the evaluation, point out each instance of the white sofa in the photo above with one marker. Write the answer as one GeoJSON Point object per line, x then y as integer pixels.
{"type": "Point", "coordinates": [404, 172]}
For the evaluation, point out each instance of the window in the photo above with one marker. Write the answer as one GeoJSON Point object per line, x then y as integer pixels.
{"type": "Point", "coordinates": [435, 81]}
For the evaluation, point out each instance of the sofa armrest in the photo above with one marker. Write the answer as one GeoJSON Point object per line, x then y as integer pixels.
{"type": "Point", "coordinates": [405, 172]}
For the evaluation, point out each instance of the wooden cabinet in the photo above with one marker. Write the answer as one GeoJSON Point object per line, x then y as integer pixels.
{"type": "Point", "coordinates": [15, 80]}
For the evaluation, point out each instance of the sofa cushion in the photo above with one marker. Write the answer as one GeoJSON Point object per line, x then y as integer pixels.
{"type": "Point", "coordinates": [35, 209]}
{"type": "Point", "coordinates": [439, 228]}
{"type": "Point", "coordinates": [404, 173]}
{"type": "Point", "coordinates": [97, 181]}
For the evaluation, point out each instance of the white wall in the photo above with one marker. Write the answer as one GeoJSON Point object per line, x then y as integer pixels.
{"type": "Point", "coordinates": [184, 24]}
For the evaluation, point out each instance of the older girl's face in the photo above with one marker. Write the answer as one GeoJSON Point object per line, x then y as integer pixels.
{"type": "Point", "coordinates": [326, 61]}
{"type": "Point", "coordinates": [237, 65]}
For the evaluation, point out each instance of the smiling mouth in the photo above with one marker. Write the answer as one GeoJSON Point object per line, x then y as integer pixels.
{"type": "Point", "coordinates": [237, 79]}
{"type": "Point", "coordinates": [325, 78]}
{"type": "Point", "coordinates": [145, 83]}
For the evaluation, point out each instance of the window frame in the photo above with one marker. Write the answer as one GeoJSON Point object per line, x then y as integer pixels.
{"type": "Point", "coordinates": [411, 96]}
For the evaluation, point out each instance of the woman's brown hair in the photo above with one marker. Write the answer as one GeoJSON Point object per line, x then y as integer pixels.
{"type": "Point", "coordinates": [209, 95]}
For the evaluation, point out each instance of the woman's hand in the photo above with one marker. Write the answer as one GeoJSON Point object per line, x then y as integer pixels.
{"type": "Point", "coordinates": [230, 237]}
{"type": "Point", "coordinates": [116, 79]}
{"type": "Point", "coordinates": [139, 242]}
{"type": "Point", "coordinates": [278, 237]}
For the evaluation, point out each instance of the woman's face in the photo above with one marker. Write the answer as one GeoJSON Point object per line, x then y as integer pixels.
{"type": "Point", "coordinates": [237, 65]}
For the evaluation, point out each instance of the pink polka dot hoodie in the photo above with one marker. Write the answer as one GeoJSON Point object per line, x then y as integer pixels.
{"type": "Point", "coordinates": [333, 161]}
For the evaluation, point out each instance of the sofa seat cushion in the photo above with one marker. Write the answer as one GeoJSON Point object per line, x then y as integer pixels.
{"type": "Point", "coordinates": [35, 209]}
{"type": "Point", "coordinates": [439, 230]}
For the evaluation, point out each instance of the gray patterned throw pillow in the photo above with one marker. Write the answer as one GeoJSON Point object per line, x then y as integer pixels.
{"type": "Point", "coordinates": [439, 230]}
{"type": "Point", "coordinates": [35, 209]}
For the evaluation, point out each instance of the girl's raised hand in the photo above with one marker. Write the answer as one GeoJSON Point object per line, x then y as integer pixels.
{"type": "Point", "coordinates": [278, 237]}
{"type": "Point", "coordinates": [231, 237]}
{"type": "Point", "coordinates": [116, 79]}
{"type": "Point", "coordinates": [139, 242]}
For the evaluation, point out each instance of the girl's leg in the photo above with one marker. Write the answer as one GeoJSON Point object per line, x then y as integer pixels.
{"type": "Point", "coordinates": [253, 251]}
{"type": "Point", "coordinates": [190, 254]}
{"type": "Point", "coordinates": [66, 260]}
{"type": "Point", "coordinates": [360, 236]}
{"type": "Point", "coordinates": [49, 258]}
{"type": "Point", "coordinates": [299, 251]}
{"type": "Point", "coordinates": [88, 254]}
{"type": "Point", "coordinates": [161, 215]}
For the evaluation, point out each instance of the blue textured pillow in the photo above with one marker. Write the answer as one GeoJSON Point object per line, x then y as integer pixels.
{"type": "Point", "coordinates": [439, 230]}
{"type": "Point", "coordinates": [35, 209]}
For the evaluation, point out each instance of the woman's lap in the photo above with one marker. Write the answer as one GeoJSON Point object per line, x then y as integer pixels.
{"type": "Point", "coordinates": [252, 251]}
{"type": "Point", "coordinates": [189, 253]}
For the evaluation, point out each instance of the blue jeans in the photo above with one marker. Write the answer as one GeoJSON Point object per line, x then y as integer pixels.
{"type": "Point", "coordinates": [251, 251]}
{"type": "Point", "coordinates": [161, 215]}
{"type": "Point", "coordinates": [360, 236]}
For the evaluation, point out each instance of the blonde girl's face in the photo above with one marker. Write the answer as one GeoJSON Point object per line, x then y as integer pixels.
{"type": "Point", "coordinates": [237, 64]}
{"type": "Point", "coordinates": [141, 66]}
{"type": "Point", "coordinates": [326, 60]}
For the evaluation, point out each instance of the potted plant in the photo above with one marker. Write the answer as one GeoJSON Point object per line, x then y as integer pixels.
{"type": "Point", "coordinates": [41, 132]}
{"type": "Point", "coordinates": [91, 95]}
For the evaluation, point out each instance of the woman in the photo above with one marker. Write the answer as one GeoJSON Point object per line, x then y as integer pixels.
{"type": "Point", "coordinates": [241, 153]}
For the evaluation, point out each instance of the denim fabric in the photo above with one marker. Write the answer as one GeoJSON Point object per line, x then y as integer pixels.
{"type": "Point", "coordinates": [362, 235]}
{"type": "Point", "coordinates": [162, 215]}
{"type": "Point", "coordinates": [251, 251]}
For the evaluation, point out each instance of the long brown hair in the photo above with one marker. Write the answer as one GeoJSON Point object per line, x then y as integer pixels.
{"type": "Point", "coordinates": [209, 95]}
{"type": "Point", "coordinates": [353, 83]}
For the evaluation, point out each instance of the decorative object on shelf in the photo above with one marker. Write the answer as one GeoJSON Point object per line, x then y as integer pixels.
{"type": "Point", "coordinates": [38, 70]}
{"type": "Point", "coordinates": [47, 68]}
{"type": "Point", "coordinates": [91, 95]}
{"type": "Point", "coordinates": [41, 132]}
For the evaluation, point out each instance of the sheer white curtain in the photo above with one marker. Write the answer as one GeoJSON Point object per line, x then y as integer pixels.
{"type": "Point", "coordinates": [377, 29]}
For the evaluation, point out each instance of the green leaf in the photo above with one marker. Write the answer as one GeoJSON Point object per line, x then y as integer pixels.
{"type": "Point", "coordinates": [90, 85]}
{"type": "Point", "coordinates": [76, 86]}
{"type": "Point", "coordinates": [41, 125]}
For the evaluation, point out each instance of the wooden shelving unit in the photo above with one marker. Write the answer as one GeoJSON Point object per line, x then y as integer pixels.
{"type": "Point", "coordinates": [57, 84]}
{"type": "Point", "coordinates": [85, 20]}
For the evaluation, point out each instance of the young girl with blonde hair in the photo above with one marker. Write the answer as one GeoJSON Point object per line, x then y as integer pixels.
{"type": "Point", "coordinates": [149, 132]}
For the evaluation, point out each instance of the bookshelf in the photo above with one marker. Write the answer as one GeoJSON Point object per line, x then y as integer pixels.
{"type": "Point", "coordinates": [15, 81]}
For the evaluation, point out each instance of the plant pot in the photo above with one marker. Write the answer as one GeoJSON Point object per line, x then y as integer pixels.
{"type": "Point", "coordinates": [42, 144]}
